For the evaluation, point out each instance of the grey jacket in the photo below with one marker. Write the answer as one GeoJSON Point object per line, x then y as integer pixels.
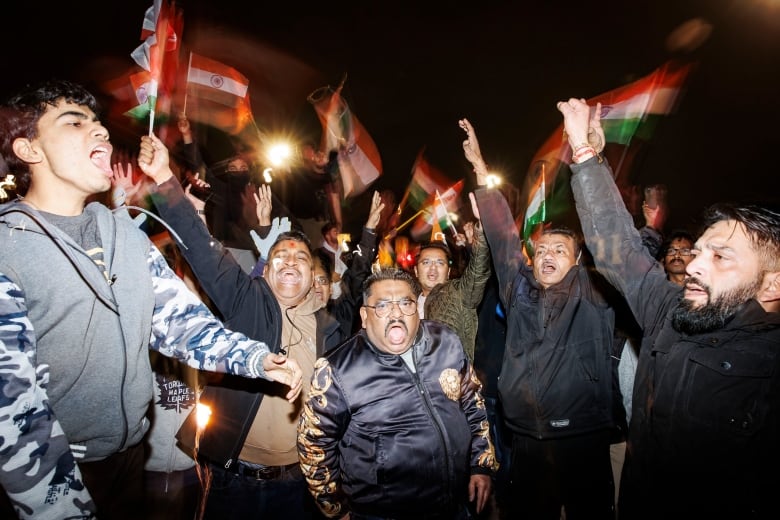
{"type": "Point", "coordinates": [74, 351]}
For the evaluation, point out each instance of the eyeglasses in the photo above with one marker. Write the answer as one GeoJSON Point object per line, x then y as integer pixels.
{"type": "Point", "coordinates": [383, 308]}
{"type": "Point", "coordinates": [428, 262]}
{"type": "Point", "coordinates": [672, 251]}
{"type": "Point", "coordinates": [321, 280]}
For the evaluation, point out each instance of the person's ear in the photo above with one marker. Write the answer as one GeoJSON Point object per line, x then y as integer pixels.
{"type": "Point", "coordinates": [26, 150]}
{"type": "Point", "coordinates": [769, 293]}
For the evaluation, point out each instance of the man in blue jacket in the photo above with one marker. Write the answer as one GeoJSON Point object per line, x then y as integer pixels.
{"type": "Point", "coordinates": [556, 381]}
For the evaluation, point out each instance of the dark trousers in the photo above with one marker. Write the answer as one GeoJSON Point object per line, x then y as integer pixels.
{"type": "Point", "coordinates": [231, 495]}
{"type": "Point", "coordinates": [116, 484]}
{"type": "Point", "coordinates": [574, 473]}
{"type": "Point", "coordinates": [173, 496]}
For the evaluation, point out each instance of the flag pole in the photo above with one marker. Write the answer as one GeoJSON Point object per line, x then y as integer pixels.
{"type": "Point", "coordinates": [186, 83]}
{"type": "Point", "coordinates": [399, 227]}
{"type": "Point", "coordinates": [153, 102]}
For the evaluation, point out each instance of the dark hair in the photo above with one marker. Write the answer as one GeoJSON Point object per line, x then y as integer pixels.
{"type": "Point", "coordinates": [295, 235]}
{"type": "Point", "coordinates": [762, 226]}
{"type": "Point", "coordinates": [328, 226]}
{"type": "Point", "coordinates": [390, 273]}
{"type": "Point", "coordinates": [435, 244]}
{"type": "Point", "coordinates": [20, 115]}
{"type": "Point", "coordinates": [323, 259]}
{"type": "Point", "coordinates": [678, 234]}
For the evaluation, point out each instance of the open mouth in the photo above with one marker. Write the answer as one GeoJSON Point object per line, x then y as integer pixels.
{"type": "Point", "coordinates": [101, 157]}
{"type": "Point", "coordinates": [548, 268]}
{"type": "Point", "coordinates": [289, 277]}
{"type": "Point", "coordinates": [396, 332]}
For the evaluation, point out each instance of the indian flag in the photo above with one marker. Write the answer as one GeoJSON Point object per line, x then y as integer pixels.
{"type": "Point", "coordinates": [435, 216]}
{"type": "Point", "coordinates": [630, 111]}
{"type": "Point", "coordinates": [636, 108]}
{"type": "Point", "coordinates": [426, 180]}
{"type": "Point", "coordinates": [221, 94]}
{"type": "Point", "coordinates": [358, 156]}
{"type": "Point", "coordinates": [536, 212]}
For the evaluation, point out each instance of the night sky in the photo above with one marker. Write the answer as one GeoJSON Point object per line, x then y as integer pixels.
{"type": "Point", "coordinates": [414, 70]}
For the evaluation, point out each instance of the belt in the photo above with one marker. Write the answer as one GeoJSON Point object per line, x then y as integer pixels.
{"type": "Point", "coordinates": [263, 472]}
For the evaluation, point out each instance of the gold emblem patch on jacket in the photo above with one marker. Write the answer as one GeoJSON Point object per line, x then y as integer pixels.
{"type": "Point", "coordinates": [450, 383]}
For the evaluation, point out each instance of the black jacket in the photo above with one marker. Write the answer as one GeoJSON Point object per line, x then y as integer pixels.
{"type": "Point", "coordinates": [379, 439]}
{"type": "Point", "coordinates": [557, 376]}
{"type": "Point", "coordinates": [247, 305]}
{"type": "Point", "coordinates": [704, 438]}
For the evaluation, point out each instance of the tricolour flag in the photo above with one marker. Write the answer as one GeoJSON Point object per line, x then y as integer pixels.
{"type": "Point", "coordinates": [219, 94]}
{"type": "Point", "coordinates": [435, 216]}
{"type": "Point", "coordinates": [358, 157]}
{"type": "Point", "coordinates": [158, 55]}
{"type": "Point", "coordinates": [626, 112]}
{"type": "Point", "coordinates": [426, 180]}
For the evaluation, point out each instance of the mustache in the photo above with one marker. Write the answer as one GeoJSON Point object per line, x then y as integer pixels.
{"type": "Point", "coordinates": [396, 321]}
{"type": "Point", "coordinates": [695, 281]}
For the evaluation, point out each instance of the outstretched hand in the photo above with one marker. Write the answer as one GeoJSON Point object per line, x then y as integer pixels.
{"type": "Point", "coordinates": [264, 205]}
{"type": "Point", "coordinates": [375, 213]}
{"type": "Point", "coordinates": [124, 189]}
{"type": "Point", "coordinates": [286, 371]}
{"type": "Point", "coordinates": [472, 152]}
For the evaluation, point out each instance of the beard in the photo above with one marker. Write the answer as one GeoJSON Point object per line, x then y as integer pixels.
{"type": "Point", "coordinates": [715, 313]}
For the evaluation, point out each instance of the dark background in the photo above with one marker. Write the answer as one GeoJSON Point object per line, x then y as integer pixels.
{"type": "Point", "coordinates": [414, 70]}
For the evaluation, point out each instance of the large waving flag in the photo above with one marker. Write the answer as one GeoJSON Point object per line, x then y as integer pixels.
{"type": "Point", "coordinates": [626, 112]}
{"type": "Point", "coordinates": [358, 157]}
{"type": "Point", "coordinates": [219, 93]}
{"type": "Point", "coordinates": [158, 55]}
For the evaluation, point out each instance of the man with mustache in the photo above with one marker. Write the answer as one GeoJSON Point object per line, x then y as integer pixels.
{"type": "Point", "coordinates": [556, 382]}
{"type": "Point", "coordinates": [249, 444]}
{"type": "Point", "coordinates": [677, 253]}
{"type": "Point", "coordinates": [394, 426]}
{"type": "Point", "coordinates": [703, 438]}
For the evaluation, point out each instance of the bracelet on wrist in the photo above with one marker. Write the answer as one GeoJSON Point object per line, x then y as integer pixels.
{"type": "Point", "coordinates": [584, 155]}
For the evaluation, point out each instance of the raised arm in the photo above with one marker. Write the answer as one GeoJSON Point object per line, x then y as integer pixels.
{"type": "Point", "coordinates": [506, 247]}
{"type": "Point", "coordinates": [609, 231]}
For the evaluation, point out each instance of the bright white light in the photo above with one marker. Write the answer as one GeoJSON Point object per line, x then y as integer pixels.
{"type": "Point", "coordinates": [279, 153]}
{"type": "Point", "coordinates": [267, 175]}
{"type": "Point", "coordinates": [202, 415]}
{"type": "Point", "coordinates": [493, 180]}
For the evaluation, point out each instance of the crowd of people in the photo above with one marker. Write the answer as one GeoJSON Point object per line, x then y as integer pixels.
{"type": "Point", "coordinates": [603, 371]}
